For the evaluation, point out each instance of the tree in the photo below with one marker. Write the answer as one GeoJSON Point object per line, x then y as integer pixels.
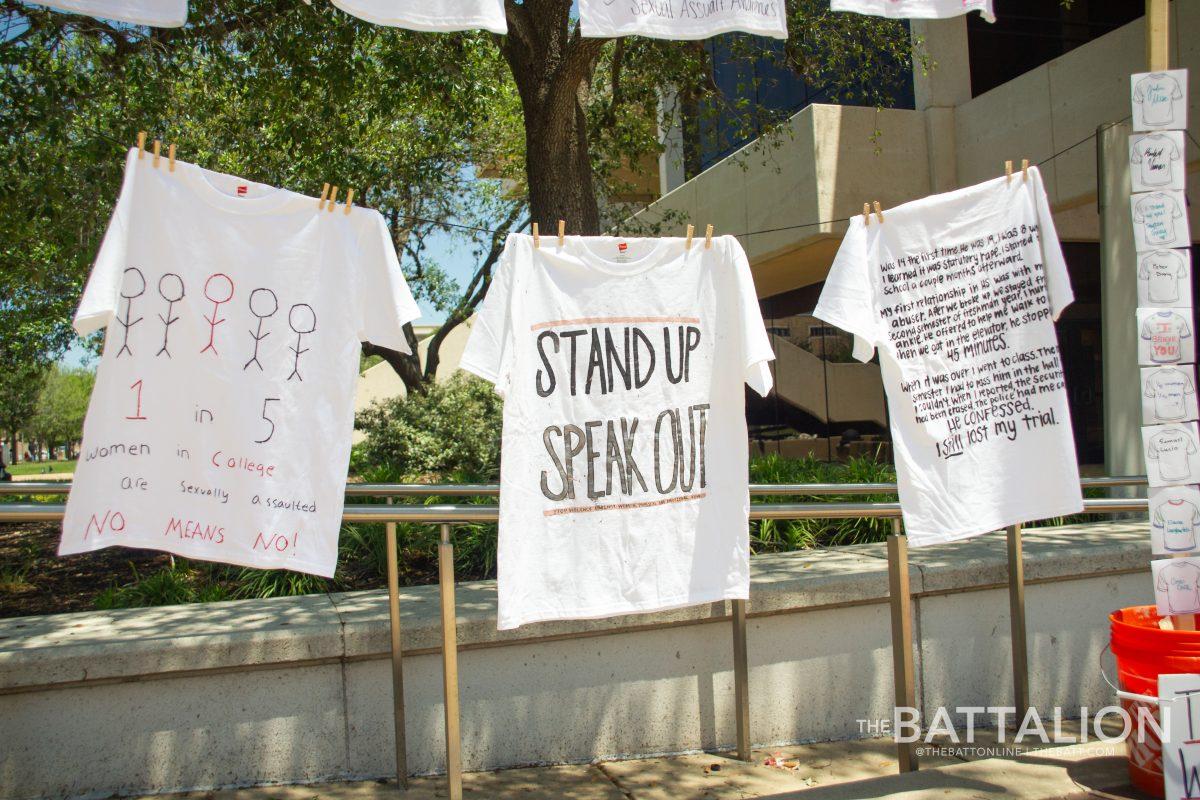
{"type": "Point", "coordinates": [296, 95]}
{"type": "Point", "coordinates": [61, 406]}
{"type": "Point", "coordinates": [19, 388]}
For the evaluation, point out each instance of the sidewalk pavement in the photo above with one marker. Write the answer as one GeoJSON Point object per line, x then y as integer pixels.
{"type": "Point", "coordinates": [846, 770]}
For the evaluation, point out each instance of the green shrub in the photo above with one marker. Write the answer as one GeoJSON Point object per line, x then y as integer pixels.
{"type": "Point", "coordinates": [452, 431]}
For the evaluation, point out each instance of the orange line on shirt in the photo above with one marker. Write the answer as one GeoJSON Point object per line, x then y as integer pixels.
{"type": "Point", "coordinates": [609, 320]}
{"type": "Point", "coordinates": [553, 512]}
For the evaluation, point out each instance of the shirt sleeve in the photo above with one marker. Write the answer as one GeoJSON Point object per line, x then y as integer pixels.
{"type": "Point", "coordinates": [755, 344]}
{"type": "Point", "coordinates": [1137, 212]}
{"type": "Point", "coordinates": [1146, 330]}
{"type": "Point", "coordinates": [1161, 583]}
{"type": "Point", "coordinates": [1176, 92]}
{"type": "Point", "coordinates": [1149, 393]}
{"type": "Point", "coordinates": [1152, 450]}
{"type": "Point", "coordinates": [100, 296]}
{"type": "Point", "coordinates": [1054, 265]}
{"type": "Point", "coordinates": [1175, 212]}
{"type": "Point", "coordinates": [1158, 518]}
{"type": "Point", "coordinates": [1135, 154]}
{"type": "Point", "coordinates": [384, 301]}
{"type": "Point", "coordinates": [488, 353]}
{"type": "Point", "coordinates": [1144, 268]}
{"type": "Point", "coordinates": [1184, 330]}
{"type": "Point", "coordinates": [848, 297]}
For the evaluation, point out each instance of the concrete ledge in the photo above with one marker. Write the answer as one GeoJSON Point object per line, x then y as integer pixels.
{"type": "Point", "coordinates": [38, 652]}
{"type": "Point", "coordinates": [295, 690]}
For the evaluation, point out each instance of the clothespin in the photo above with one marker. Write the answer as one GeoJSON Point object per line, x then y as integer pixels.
{"type": "Point", "coordinates": [866, 213]}
{"type": "Point", "coordinates": [157, 152]}
{"type": "Point", "coordinates": [878, 212]}
{"type": "Point", "coordinates": [141, 143]}
{"type": "Point", "coordinates": [171, 158]}
{"type": "Point", "coordinates": [1007, 171]}
{"type": "Point", "coordinates": [562, 232]}
{"type": "Point", "coordinates": [537, 240]}
{"type": "Point", "coordinates": [688, 244]}
{"type": "Point", "coordinates": [324, 194]}
{"type": "Point", "coordinates": [708, 230]}
{"type": "Point", "coordinates": [349, 198]}
{"type": "Point", "coordinates": [1024, 169]}
{"type": "Point", "coordinates": [333, 199]}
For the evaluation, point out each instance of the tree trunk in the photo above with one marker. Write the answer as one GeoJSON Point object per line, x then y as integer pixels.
{"type": "Point", "coordinates": [407, 366]}
{"type": "Point", "coordinates": [552, 67]}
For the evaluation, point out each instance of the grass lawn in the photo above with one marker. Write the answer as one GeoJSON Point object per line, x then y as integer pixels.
{"type": "Point", "coordinates": [40, 467]}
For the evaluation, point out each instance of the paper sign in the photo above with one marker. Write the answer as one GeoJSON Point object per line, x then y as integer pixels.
{"type": "Point", "coordinates": [1159, 100]}
{"type": "Point", "coordinates": [1165, 279]}
{"type": "Point", "coordinates": [1172, 457]}
{"type": "Point", "coordinates": [1176, 585]}
{"type": "Point", "coordinates": [1156, 161]}
{"type": "Point", "coordinates": [1180, 716]}
{"type": "Point", "coordinates": [1175, 519]}
{"type": "Point", "coordinates": [1169, 394]}
{"type": "Point", "coordinates": [1160, 220]}
{"type": "Point", "coordinates": [1165, 337]}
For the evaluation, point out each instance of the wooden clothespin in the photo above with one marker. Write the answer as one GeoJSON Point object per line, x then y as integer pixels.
{"type": "Point", "coordinates": [1007, 171]}
{"type": "Point", "coordinates": [866, 213]}
{"type": "Point", "coordinates": [708, 231]}
{"type": "Point", "coordinates": [537, 239]}
{"type": "Point", "coordinates": [688, 244]}
{"type": "Point", "coordinates": [349, 200]}
{"type": "Point", "coordinates": [157, 152]}
{"type": "Point", "coordinates": [324, 194]}
{"type": "Point", "coordinates": [141, 144]}
{"type": "Point", "coordinates": [171, 158]}
{"type": "Point", "coordinates": [332, 199]}
{"type": "Point", "coordinates": [878, 212]}
{"type": "Point", "coordinates": [1024, 169]}
{"type": "Point", "coordinates": [562, 232]}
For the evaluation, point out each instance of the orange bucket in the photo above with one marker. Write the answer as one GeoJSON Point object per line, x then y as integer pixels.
{"type": "Point", "coordinates": [1143, 652]}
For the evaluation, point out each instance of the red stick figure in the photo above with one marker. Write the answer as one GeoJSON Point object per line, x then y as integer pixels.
{"type": "Point", "coordinates": [218, 289]}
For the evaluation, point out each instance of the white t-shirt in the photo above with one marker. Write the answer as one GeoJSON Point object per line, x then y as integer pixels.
{"type": "Point", "coordinates": [1159, 219]}
{"type": "Point", "coordinates": [959, 292]}
{"type": "Point", "coordinates": [155, 13]}
{"type": "Point", "coordinates": [1177, 520]}
{"type": "Point", "coordinates": [682, 19]}
{"type": "Point", "coordinates": [219, 427]}
{"type": "Point", "coordinates": [1178, 586]}
{"type": "Point", "coordinates": [1170, 389]}
{"type": "Point", "coordinates": [1154, 96]}
{"type": "Point", "coordinates": [1172, 449]}
{"type": "Point", "coordinates": [917, 9]}
{"type": "Point", "coordinates": [624, 484]}
{"type": "Point", "coordinates": [1162, 271]}
{"type": "Point", "coordinates": [1165, 332]}
{"type": "Point", "coordinates": [1158, 160]}
{"type": "Point", "coordinates": [440, 15]}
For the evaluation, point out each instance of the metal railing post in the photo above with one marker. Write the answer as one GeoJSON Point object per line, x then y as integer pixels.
{"type": "Point", "coordinates": [393, 579]}
{"type": "Point", "coordinates": [741, 681]}
{"type": "Point", "coordinates": [1016, 615]}
{"type": "Point", "coordinates": [900, 600]}
{"type": "Point", "coordinates": [450, 664]}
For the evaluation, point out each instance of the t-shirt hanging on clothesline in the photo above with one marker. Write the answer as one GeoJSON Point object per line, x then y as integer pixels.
{"type": "Point", "coordinates": [1156, 161]}
{"type": "Point", "coordinates": [917, 9]}
{"type": "Point", "coordinates": [624, 485]}
{"type": "Point", "coordinates": [219, 427]}
{"type": "Point", "coordinates": [1174, 519]}
{"type": "Point", "coordinates": [682, 19]}
{"type": "Point", "coordinates": [959, 293]}
{"type": "Point", "coordinates": [439, 15]}
{"type": "Point", "coordinates": [155, 13]}
{"type": "Point", "coordinates": [1159, 220]}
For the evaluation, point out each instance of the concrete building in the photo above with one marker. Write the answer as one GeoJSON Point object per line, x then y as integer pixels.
{"type": "Point", "coordinates": [1037, 84]}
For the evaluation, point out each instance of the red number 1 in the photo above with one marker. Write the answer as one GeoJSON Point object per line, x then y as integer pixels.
{"type": "Point", "coordinates": [137, 386]}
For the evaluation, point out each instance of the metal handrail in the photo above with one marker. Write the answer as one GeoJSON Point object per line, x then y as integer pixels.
{"type": "Point", "coordinates": [493, 489]}
{"type": "Point", "coordinates": [360, 512]}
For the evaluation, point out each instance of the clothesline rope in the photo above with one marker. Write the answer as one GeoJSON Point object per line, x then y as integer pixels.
{"type": "Point", "coordinates": [494, 231]}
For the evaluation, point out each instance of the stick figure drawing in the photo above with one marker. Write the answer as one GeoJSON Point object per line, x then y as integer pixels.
{"type": "Point", "coordinates": [133, 285]}
{"type": "Point", "coordinates": [218, 289]}
{"type": "Point", "coordinates": [303, 320]}
{"type": "Point", "coordinates": [263, 304]}
{"type": "Point", "coordinates": [170, 288]}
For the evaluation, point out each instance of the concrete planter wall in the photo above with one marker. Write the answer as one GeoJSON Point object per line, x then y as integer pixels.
{"type": "Point", "coordinates": [296, 690]}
